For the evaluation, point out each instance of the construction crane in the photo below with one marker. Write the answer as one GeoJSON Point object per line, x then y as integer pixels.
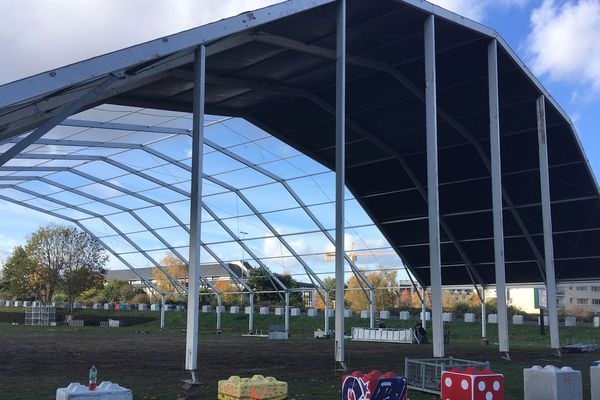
{"type": "Point", "coordinates": [330, 256]}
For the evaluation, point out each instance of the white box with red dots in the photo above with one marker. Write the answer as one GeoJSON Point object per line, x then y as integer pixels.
{"type": "Point", "coordinates": [472, 384]}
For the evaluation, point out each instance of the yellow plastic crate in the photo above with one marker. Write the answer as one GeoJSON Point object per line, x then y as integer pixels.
{"type": "Point", "coordinates": [256, 388]}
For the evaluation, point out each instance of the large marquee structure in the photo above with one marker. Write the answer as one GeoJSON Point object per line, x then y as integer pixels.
{"type": "Point", "coordinates": [464, 162]}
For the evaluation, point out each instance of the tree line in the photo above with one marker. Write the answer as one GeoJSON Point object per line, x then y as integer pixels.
{"type": "Point", "coordinates": [55, 258]}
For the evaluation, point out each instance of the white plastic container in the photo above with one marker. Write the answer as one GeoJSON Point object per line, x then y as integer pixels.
{"type": "Point", "coordinates": [234, 310]}
{"type": "Point", "coordinates": [596, 322]}
{"type": "Point", "coordinates": [331, 312]}
{"type": "Point", "coordinates": [264, 311]}
{"type": "Point", "coordinates": [169, 307]}
{"type": "Point", "coordinates": [470, 318]}
{"type": "Point", "coordinates": [220, 309]}
{"type": "Point", "coordinates": [206, 309]}
{"type": "Point", "coordinates": [279, 311]}
{"type": "Point", "coordinates": [97, 306]}
{"type": "Point", "coordinates": [427, 315]}
{"type": "Point", "coordinates": [248, 310]}
{"type": "Point", "coordinates": [180, 308]}
{"type": "Point", "coordinates": [108, 306]}
{"type": "Point", "coordinates": [26, 303]}
{"type": "Point", "coordinates": [142, 307]}
{"type": "Point", "coordinates": [8, 303]}
{"type": "Point", "coordinates": [114, 323]}
{"type": "Point", "coordinates": [155, 307]}
{"type": "Point", "coordinates": [493, 318]}
{"type": "Point", "coordinates": [595, 382]}
{"type": "Point", "coordinates": [312, 312]}
{"type": "Point", "coordinates": [551, 383]}
{"type": "Point", "coordinates": [295, 312]}
{"type": "Point", "coordinates": [546, 320]}
{"type": "Point", "coordinates": [364, 314]}
{"type": "Point", "coordinates": [105, 391]}
{"type": "Point", "coordinates": [347, 313]}
{"type": "Point", "coordinates": [36, 304]}
{"type": "Point", "coordinates": [570, 321]}
{"type": "Point", "coordinates": [384, 314]}
{"type": "Point", "coordinates": [517, 320]}
{"type": "Point", "coordinates": [18, 303]}
{"type": "Point", "coordinates": [404, 315]}
{"type": "Point", "coordinates": [447, 317]}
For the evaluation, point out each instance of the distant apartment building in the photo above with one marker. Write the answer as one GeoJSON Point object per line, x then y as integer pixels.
{"type": "Point", "coordinates": [576, 298]}
{"type": "Point", "coordinates": [580, 297]}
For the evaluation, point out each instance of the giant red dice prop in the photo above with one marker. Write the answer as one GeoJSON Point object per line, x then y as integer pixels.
{"type": "Point", "coordinates": [471, 384]}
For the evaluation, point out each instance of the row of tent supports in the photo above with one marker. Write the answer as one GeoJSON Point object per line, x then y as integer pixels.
{"type": "Point", "coordinates": [431, 196]}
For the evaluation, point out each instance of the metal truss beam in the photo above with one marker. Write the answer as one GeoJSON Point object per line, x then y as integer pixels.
{"type": "Point", "coordinates": [148, 229]}
{"type": "Point", "coordinates": [222, 150]}
{"type": "Point", "coordinates": [141, 197]}
{"type": "Point", "coordinates": [418, 92]}
{"type": "Point", "coordinates": [110, 224]}
{"type": "Point", "coordinates": [384, 146]}
{"type": "Point", "coordinates": [83, 227]}
{"type": "Point", "coordinates": [70, 109]}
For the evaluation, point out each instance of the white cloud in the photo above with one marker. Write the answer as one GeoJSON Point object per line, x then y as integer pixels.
{"type": "Point", "coordinates": [564, 41]}
{"type": "Point", "coordinates": [36, 36]}
{"type": "Point", "coordinates": [477, 9]}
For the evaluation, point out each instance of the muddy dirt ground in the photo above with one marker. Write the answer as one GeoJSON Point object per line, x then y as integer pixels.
{"type": "Point", "coordinates": [36, 361]}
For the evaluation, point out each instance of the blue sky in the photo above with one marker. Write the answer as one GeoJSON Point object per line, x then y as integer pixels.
{"type": "Point", "coordinates": [556, 39]}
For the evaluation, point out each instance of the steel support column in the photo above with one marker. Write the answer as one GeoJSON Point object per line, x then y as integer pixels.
{"type": "Point", "coordinates": [219, 305]}
{"type": "Point", "coordinates": [483, 315]}
{"type": "Point", "coordinates": [496, 172]}
{"type": "Point", "coordinates": [423, 308]}
{"type": "Point", "coordinates": [435, 264]}
{"type": "Point", "coordinates": [326, 325]}
{"type": "Point", "coordinates": [547, 222]}
{"type": "Point", "coordinates": [162, 312]}
{"type": "Point", "coordinates": [372, 308]}
{"type": "Point", "coordinates": [191, 356]}
{"type": "Point", "coordinates": [340, 182]}
{"type": "Point", "coordinates": [286, 311]}
{"type": "Point", "coordinates": [251, 315]}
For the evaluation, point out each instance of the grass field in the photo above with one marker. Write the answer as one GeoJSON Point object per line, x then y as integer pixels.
{"type": "Point", "coordinates": [34, 361]}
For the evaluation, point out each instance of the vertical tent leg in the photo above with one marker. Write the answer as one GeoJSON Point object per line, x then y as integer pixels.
{"type": "Point", "coordinates": [219, 305]}
{"type": "Point", "coordinates": [286, 311]}
{"type": "Point", "coordinates": [162, 312]}
{"type": "Point", "coordinates": [251, 315]}
{"type": "Point", "coordinates": [483, 315]}
{"type": "Point", "coordinates": [340, 181]}
{"type": "Point", "coordinates": [372, 308]}
{"type": "Point", "coordinates": [423, 309]}
{"type": "Point", "coordinates": [191, 355]}
{"type": "Point", "coordinates": [547, 220]}
{"type": "Point", "coordinates": [435, 264]}
{"type": "Point", "coordinates": [497, 196]}
{"type": "Point", "coordinates": [326, 313]}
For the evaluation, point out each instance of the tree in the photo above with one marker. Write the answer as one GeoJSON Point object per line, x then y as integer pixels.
{"type": "Point", "coordinates": [55, 257]}
{"type": "Point", "coordinates": [111, 290]}
{"type": "Point", "coordinates": [386, 297]}
{"type": "Point", "coordinates": [228, 290]}
{"type": "Point", "coordinates": [405, 299]}
{"type": "Point", "coordinates": [19, 275]}
{"type": "Point", "coordinates": [83, 264]}
{"type": "Point", "coordinates": [174, 266]}
{"type": "Point", "coordinates": [260, 281]}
